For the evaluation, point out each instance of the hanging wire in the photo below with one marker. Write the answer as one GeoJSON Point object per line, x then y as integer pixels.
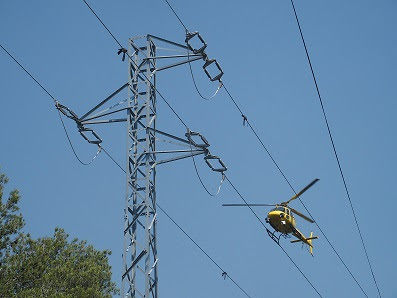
{"type": "Point", "coordinates": [186, 234]}
{"type": "Point", "coordinates": [198, 174]}
{"type": "Point", "coordinates": [100, 148]}
{"type": "Point", "coordinates": [31, 76]}
{"type": "Point", "coordinates": [71, 145]}
{"type": "Point", "coordinates": [158, 92]}
{"type": "Point", "coordinates": [133, 62]}
{"type": "Point", "coordinates": [194, 80]}
{"type": "Point", "coordinates": [334, 147]}
{"type": "Point", "coordinates": [202, 183]}
{"type": "Point", "coordinates": [244, 117]}
{"type": "Point", "coordinates": [168, 104]}
{"type": "Point", "coordinates": [292, 188]}
{"type": "Point", "coordinates": [196, 87]}
{"type": "Point", "coordinates": [268, 231]}
{"type": "Point", "coordinates": [190, 66]}
{"type": "Point", "coordinates": [169, 5]}
{"type": "Point", "coordinates": [224, 273]}
{"type": "Point", "coordinates": [59, 114]}
{"type": "Point", "coordinates": [166, 101]}
{"type": "Point", "coordinates": [245, 120]}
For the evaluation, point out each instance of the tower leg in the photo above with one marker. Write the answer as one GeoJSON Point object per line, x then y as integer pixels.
{"type": "Point", "coordinates": [140, 261]}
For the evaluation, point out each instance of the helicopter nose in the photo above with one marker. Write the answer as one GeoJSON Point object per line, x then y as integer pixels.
{"type": "Point", "coordinates": [273, 216]}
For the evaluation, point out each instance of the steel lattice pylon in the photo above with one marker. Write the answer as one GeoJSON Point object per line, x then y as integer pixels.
{"type": "Point", "coordinates": [140, 259]}
{"type": "Point", "coordinates": [140, 249]}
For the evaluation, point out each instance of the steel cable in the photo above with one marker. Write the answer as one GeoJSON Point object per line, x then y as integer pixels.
{"type": "Point", "coordinates": [284, 176]}
{"type": "Point", "coordinates": [285, 252]}
{"type": "Point", "coordinates": [186, 234]}
{"type": "Point", "coordinates": [100, 148]}
{"type": "Point", "coordinates": [176, 114]}
{"type": "Point", "coordinates": [157, 91]}
{"type": "Point", "coordinates": [59, 113]}
{"type": "Point", "coordinates": [333, 146]}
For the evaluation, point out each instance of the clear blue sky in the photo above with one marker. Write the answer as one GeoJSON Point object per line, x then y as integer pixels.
{"type": "Point", "coordinates": [353, 46]}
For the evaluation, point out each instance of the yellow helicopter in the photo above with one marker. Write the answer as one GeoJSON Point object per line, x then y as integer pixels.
{"type": "Point", "coordinates": [282, 220]}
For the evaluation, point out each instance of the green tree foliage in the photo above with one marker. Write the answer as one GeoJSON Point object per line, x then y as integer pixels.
{"type": "Point", "coordinates": [48, 266]}
{"type": "Point", "coordinates": [11, 223]}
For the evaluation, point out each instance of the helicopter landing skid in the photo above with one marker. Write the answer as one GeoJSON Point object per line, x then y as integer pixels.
{"type": "Point", "coordinates": [274, 237]}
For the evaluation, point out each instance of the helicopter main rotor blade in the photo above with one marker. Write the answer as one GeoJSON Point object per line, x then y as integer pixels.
{"type": "Point", "coordinates": [301, 215]}
{"type": "Point", "coordinates": [302, 191]}
{"type": "Point", "coordinates": [246, 205]}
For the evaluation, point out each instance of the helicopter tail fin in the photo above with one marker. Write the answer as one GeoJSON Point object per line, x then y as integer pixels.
{"type": "Point", "coordinates": [310, 242]}
{"type": "Point", "coordinates": [302, 238]}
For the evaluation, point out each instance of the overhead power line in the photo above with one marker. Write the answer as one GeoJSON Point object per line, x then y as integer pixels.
{"type": "Point", "coordinates": [284, 176]}
{"type": "Point", "coordinates": [107, 153]}
{"type": "Point", "coordinates": [101, 148]}
{"type": "Point", "coordinates": [267, 230]}
{"type": "Point", "coordinates": [208, 256]}
{"type": "Point", "coordinates": [224, 273]}
{"type": "Point", "coordinates": [169, 5]}
{"type": "Point", "coordinates": [290, 185]}
{"type": "Point", "coordinates": [190, 65]}
{"type": "Point", "coordinates": [144, 75]}
{"type": "Point", "coordinates": [282, 173]}
{"type": "Point", "coordinates": [173, 110]}
{"type": "Point", "coordinates": [155, 88]}
{"type": "Point", "coordinates": [197, 88]}
{"type": "Point", "coordinates": [59, 113]}
{"type": "Point", "coordinates": [160, 96]}
{"type": "Point", "coordinates": [31, 76]}
{"type": "Point", "coordinates": [334, 147]}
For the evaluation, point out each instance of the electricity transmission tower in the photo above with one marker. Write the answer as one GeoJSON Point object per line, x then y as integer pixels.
{"type": "Point", "coordinates": [146, 56]}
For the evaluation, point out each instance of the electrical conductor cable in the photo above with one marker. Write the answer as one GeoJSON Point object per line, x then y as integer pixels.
{"type": "Point", "coordinates": [187, 235]}
{"type": "Point", "coordinates": [107, 153]}
{"type": "Point", "coordinates": [245, 120]}
{"type": "Point", "coordinates": [59, 113]}
{"type": "Point", "coordinates": [334, 147]}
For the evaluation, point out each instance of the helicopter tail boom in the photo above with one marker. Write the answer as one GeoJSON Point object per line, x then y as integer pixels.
{"type": "Point", "coordinates": [308, 241]}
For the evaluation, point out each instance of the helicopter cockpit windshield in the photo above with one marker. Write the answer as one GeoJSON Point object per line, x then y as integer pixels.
{"type": "Point", "coordinates": [278, 208]}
